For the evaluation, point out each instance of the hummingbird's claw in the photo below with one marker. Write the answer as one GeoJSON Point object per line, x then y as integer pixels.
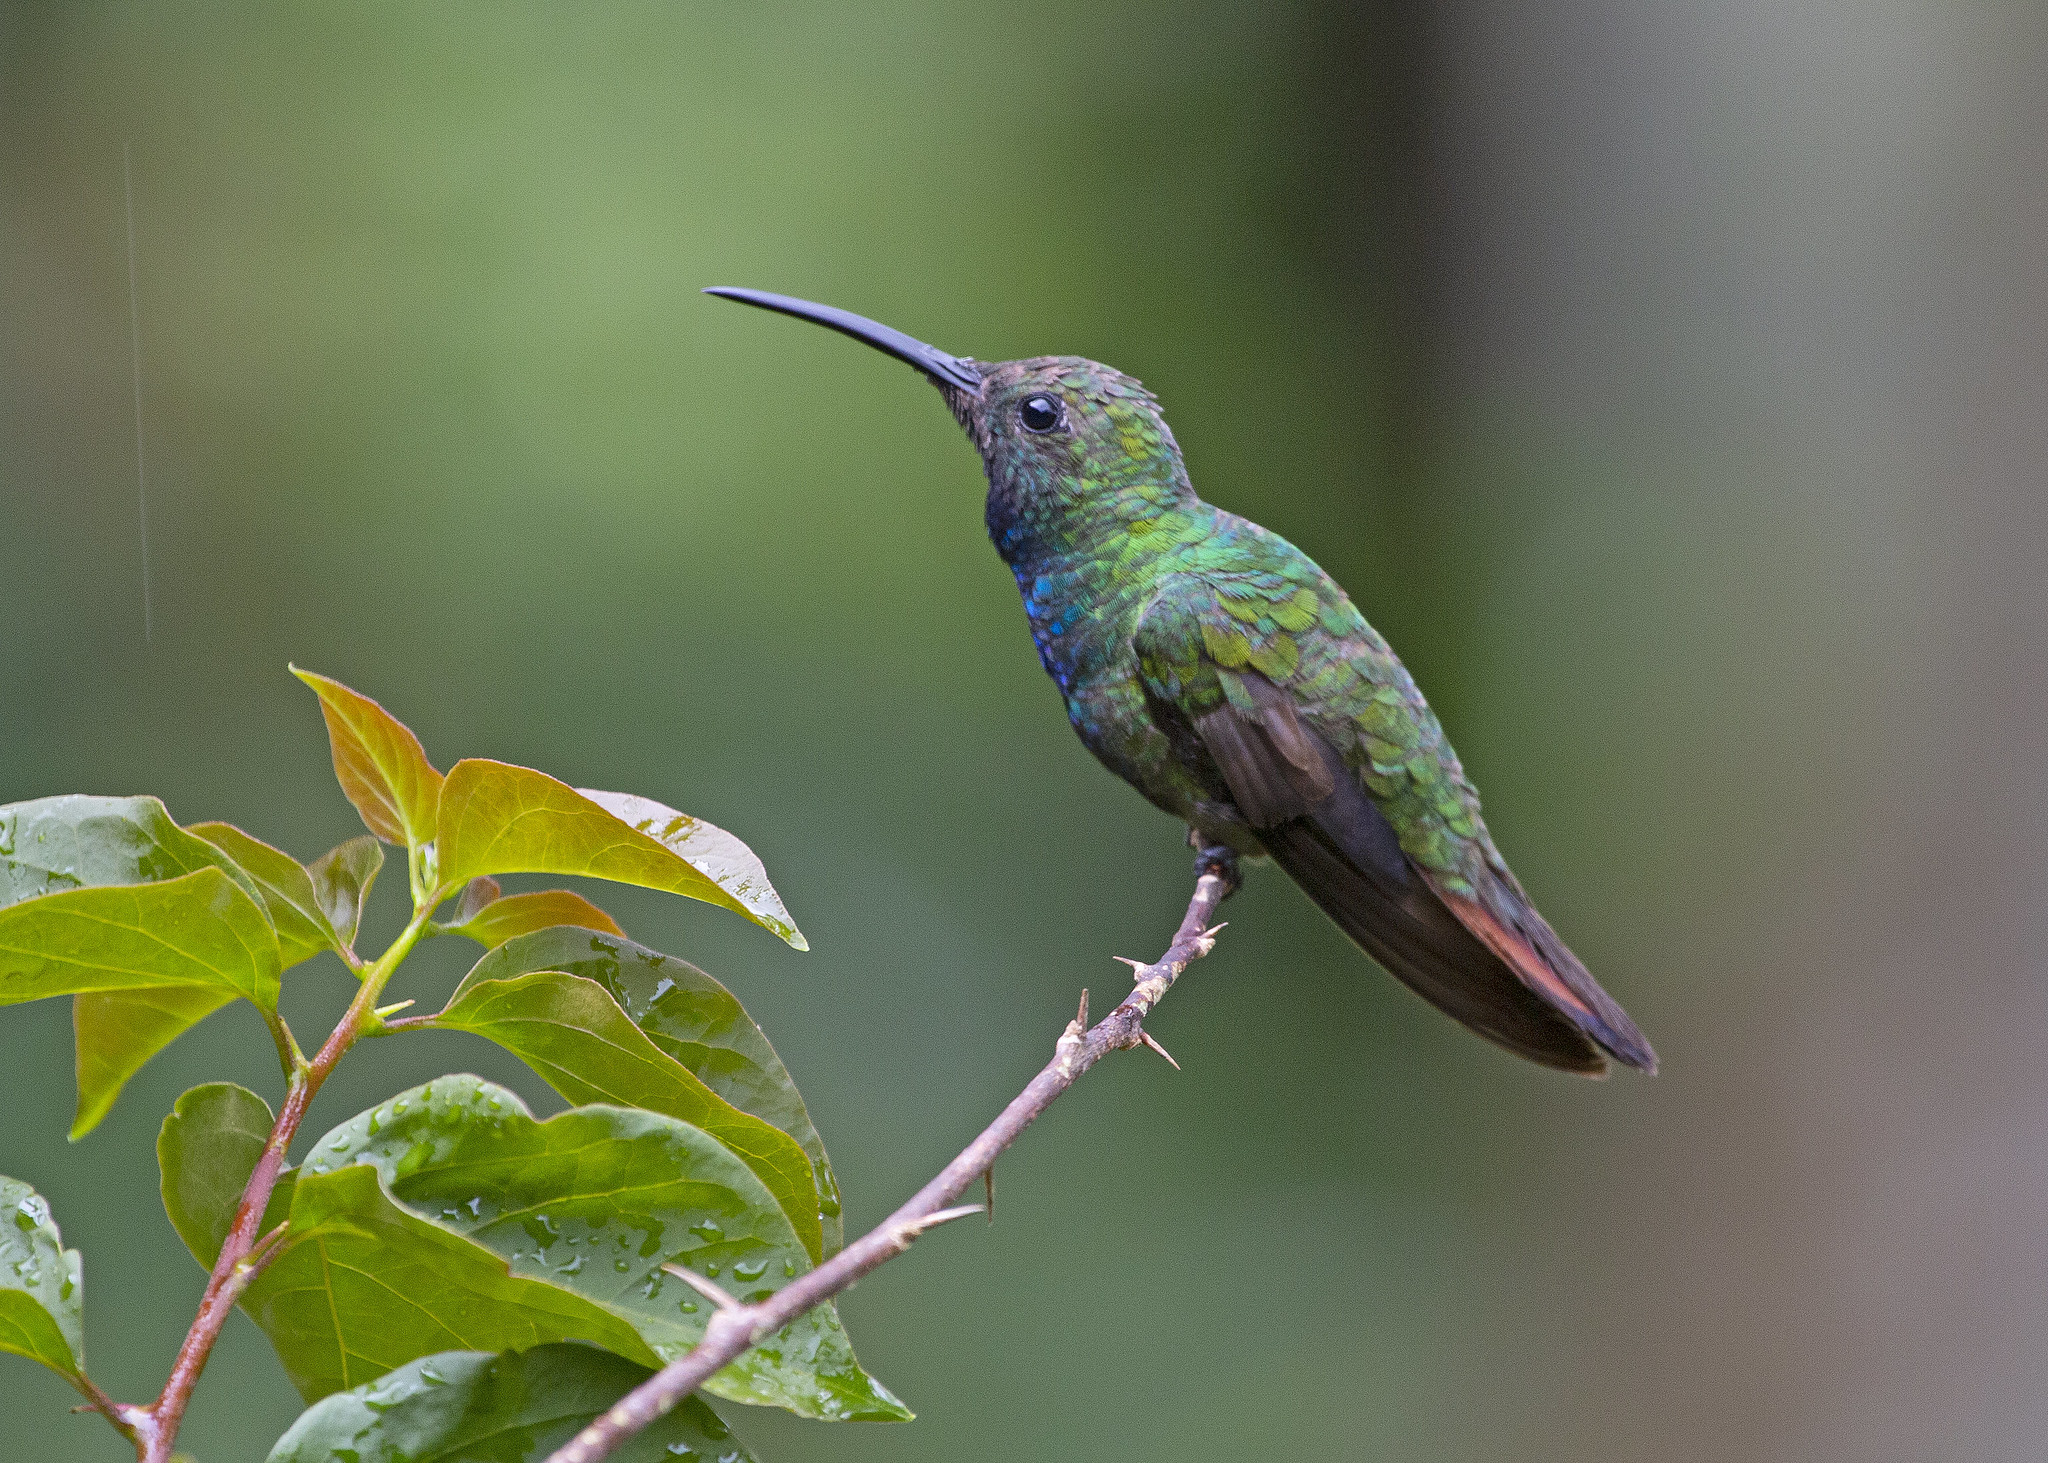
{"type": "Point", "coordinates": [1221, 860]}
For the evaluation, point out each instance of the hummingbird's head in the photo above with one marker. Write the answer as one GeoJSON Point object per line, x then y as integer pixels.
{"type": "Point", "coordinates": [1062, 437]}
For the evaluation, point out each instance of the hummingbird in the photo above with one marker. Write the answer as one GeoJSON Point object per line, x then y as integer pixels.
{"type": "Point", "coordinates": [1216, 668]}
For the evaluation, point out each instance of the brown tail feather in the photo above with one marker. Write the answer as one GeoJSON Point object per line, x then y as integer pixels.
{"type": "Point", "coordinates": [1528, 946]}
{"type": "Point", "coordinates": [1423, 946]}
{"type": "Point", "coordinates": [1495, 966]}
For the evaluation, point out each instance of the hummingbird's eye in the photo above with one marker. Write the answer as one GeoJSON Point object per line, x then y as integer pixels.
{"type": "Point", "coordinates": [1039, 413]}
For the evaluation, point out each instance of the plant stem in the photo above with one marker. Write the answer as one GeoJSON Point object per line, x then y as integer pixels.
{"type": "Point", "coordinates": [106, 1407]}
{"type": "Point", "coordinates": [732, 1329]}
{"type": "Point", "coordinates": [155, 1428]}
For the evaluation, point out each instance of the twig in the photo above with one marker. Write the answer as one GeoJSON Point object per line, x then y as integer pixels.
{"type": "Point", "coordinates": [154, 1427]}
{"type": "Point", "coordinates": [732, 1329]}
{"type": "Point", "coordinates": [105, 1406]}
{"type": "Point", "coordinates": [157, 1424]}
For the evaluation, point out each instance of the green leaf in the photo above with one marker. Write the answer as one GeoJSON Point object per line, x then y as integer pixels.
{"type": "Point", "coordinates": [379, 763]}
{"type": "Point", "coordinates": [595, 1200]}
{"type": "Point", "coordinates": [78, 842]}
{"type": "Point", "coordinates": [56, 844]}
{"type": "Point", "coordinates": [693, 1019]}
{"type": "Point", "coordinates": [341, 879]}
{"type": "Point", "coordinates": [516, 1407]}
{"type": "Point", "coordinates": [205, 1153]}
{"type": "Point", "coordinates": [303, 929]}
{"type": "Point", "coordinates": [501, 819]}
{"type": "Point", "coordinates": [362, 1284]}
{"type": "Point", "coordinates": [197, 930]}
{"type": "Point", "coordinates": [573, 1034]}
{"type": "Point", "coordinates": [522, 914]}
{"type": "Point", "coordinates": [116, 1032]}
{"type": "Point", "coordinates": [41, 1289]}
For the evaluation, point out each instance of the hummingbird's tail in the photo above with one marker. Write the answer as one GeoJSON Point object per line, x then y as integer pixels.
{"type": "Point", "coordinates": [1485, 958]}
{"type": "Point", "coordinates": [1508, 925]}
{"type": "Point", "coordinates": [1424, 945]}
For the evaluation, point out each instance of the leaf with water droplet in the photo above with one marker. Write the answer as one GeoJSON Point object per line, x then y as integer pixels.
{"type": "Point", "coordinates": [362, 1284]}
{"type": "Point", "coordinates": [500, 819]}
{"type": "Point", "coordinates": [691, 1017]}
{"type": "Point", "coordinates": [601, 1173]}
{"type": "Point", "coordinates": [380, 764]}
{"type": "Point", "coordinates": [514, 1407]}
{"type": "Point", "coordinates": [75, 841]}
{"type": "Point", "coordinates": [571, 1032]}
{"type": "Point", "coordinates": [41, 1285]}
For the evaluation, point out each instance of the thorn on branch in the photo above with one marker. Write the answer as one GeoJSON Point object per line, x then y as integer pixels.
{"type": "Point", "coordinates": [716, 1294]}
{"type": "Point", "coordinates": [1149, 1040]}
{"type": "Point", "coordinates": [944, 1216]}
{"type": "Point", "coordinates": [910, 1229]}
{"type": "Point", "coordinates": [1134, 964]}
{"type": "Point", "coordinates": [988, 1187]}
{"type": "Point", "coordinates": [1064, 1050]}
{"type": "Point", "coordinates": [265, 1250]}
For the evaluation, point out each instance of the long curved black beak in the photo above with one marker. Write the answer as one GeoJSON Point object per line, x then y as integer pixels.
{"type": "Point", "coordinates": [935, 363]}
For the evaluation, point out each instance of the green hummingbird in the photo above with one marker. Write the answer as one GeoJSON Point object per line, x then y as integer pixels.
{"type": "Point", "coordinates": [1217, 669]}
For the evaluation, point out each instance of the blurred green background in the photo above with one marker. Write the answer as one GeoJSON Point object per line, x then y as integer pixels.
{"type": "Point", "coordinates": [1668, 382]}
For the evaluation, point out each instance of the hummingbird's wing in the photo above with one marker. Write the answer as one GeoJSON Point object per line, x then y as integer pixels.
{"type": "Point", "coordinates": [1323, 743]}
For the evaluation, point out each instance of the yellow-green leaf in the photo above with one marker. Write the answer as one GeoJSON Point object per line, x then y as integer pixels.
{"type": "Point", "coordinates": [522, 914]}
{"type": "Point", "coordinates": [116, 1032]}
{"type": "Point", "coordinates": [303, 929]}
{"type": "Point", "coordinates": [501, 819]}
{"type": "Point", "coordinates": [53, 845]}
{"type": "Point", "coordinates": [198, 930]}
{"type": "Point", "coordinates": [379, 762]}
{"type": "Point", "coordinates": [341, 878]}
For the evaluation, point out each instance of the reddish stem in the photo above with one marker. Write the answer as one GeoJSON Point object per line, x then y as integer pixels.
{"type": "Point", "coordinates": [156, 1426]}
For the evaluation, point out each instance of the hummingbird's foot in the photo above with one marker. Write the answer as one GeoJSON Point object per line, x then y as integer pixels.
{"type": "Point", "coordinates": [1219, 859]}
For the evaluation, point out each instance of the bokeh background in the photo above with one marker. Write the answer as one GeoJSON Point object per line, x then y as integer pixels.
{"type": "Point", "coordinates": [1668, 382]}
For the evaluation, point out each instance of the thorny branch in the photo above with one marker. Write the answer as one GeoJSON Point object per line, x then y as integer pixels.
{"type": "Point", "coordinates": [735, 1327]}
